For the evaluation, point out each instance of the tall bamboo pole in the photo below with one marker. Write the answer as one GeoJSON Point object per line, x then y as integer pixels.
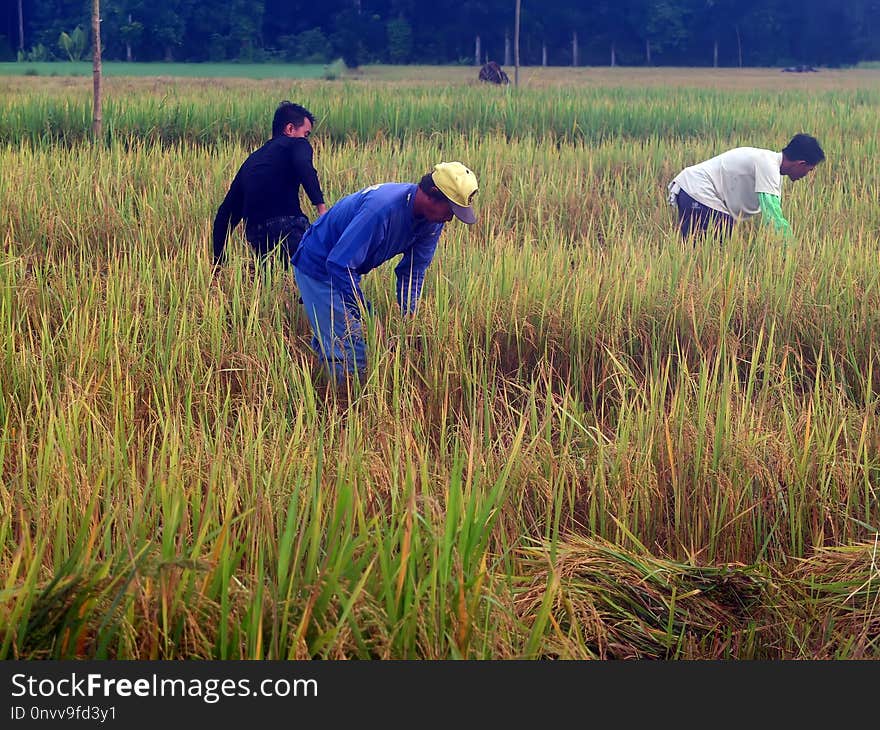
{"type": "Point", "coordinates": [97, 117]}
{"type": "Point", "coordinates": [516, 45]}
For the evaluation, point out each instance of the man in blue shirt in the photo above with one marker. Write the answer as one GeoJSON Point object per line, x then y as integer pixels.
{"type": "Point", "coordinates": [362, 231]}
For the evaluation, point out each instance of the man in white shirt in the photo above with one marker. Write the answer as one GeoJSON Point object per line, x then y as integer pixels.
{"type": "Point", "coordinates": [740, 183]}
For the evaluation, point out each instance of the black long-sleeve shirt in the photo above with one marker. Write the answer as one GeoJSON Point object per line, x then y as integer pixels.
{"type": "Point", "coordinates": [267, 186]}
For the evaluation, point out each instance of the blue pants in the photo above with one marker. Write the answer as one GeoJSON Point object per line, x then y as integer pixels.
{"type": "Point", "coordinates": [337, 333]}
{"type": "Point", "coordinates": [694, 217]}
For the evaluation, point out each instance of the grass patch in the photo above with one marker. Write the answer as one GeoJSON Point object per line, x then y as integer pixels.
{"type": "Point", "coordinates": [173, 70]}
{"type": "Point", "coordinates": [593, 441]}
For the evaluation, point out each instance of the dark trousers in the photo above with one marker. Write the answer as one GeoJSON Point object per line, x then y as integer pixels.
{"type": "Point", "coordinates": [695, 218]}
{"type": "Point", "coordinates": [277, 236]}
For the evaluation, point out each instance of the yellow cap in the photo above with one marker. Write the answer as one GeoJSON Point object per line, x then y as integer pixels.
{"type": "Point", "coordinates": [459, 185]}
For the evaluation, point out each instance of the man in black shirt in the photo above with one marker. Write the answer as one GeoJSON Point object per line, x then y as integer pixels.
{"type": "Point", "coordinates": [265, 191]}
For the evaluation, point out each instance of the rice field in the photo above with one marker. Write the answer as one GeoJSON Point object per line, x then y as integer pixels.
{"type": "Point", "coordinates": [594, 441]}
{"type": "Point", "coordinates": [170, 70]}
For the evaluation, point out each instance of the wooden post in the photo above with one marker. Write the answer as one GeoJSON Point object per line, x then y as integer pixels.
{"type": "Point", "coordinates": [477, 51]}
{"type": "Point", "coordinates": [97, 119]}
{"type": "Point", "coordinates": [20, 27]}
{"type": "Point", "coordinates": [739, 47]}
{"type": "Point", "coordinates": [516, 45]}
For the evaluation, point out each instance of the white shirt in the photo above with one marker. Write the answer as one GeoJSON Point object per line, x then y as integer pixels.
{"type": "Point", "coordinates": [730, 182]}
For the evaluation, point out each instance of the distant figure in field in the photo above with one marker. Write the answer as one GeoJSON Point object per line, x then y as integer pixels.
{"type": "Point", "coordinates": [493, 73]}
{"type": "Point", "coordinates": [741, 183]}
{"type": "Point", "coordinates": [265, 191]}
{"type": "Point", "coordinates": [362, 231]}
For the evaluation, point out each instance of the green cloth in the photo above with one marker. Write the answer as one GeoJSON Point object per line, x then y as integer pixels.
{"type": "Point", "coordinates": [771, 209]}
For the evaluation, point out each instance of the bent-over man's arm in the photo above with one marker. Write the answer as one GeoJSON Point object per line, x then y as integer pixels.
{"type": "Point", "coordinates": [349, 252]}
{"type": "Point", "coordinates": [305, 171]}
{"type": "Point", "coordinates": [411, 271]}
{"type": "Point", "coordinates": [771, 210]}
{"type": "Point", "coordinates": [228, 217]}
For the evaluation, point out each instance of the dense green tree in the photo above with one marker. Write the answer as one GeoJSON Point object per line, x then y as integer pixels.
{"type": "Point", "coordinates": [615, 32]}
{"type": "Point", "coordinates": [625, 32]}
{"type": "Point", "coordinates": [719, 20]}
{"type": "Point", "coordinates": [400, 41]}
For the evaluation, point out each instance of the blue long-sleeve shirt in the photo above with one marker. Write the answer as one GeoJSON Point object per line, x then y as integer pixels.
{"type": "Point", "coordinates": [364, 230]}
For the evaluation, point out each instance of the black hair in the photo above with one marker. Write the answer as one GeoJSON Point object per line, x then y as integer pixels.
{"type": "Point", "coordinates": [430, 189]}
{"type": "Point", "coordinates": [289, 113]}
{"type": "Point", "coordinates": [804, 147]}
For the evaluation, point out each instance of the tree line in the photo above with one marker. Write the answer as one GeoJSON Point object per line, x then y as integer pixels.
{"type": "Point", "coordinates": [553, 32]}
